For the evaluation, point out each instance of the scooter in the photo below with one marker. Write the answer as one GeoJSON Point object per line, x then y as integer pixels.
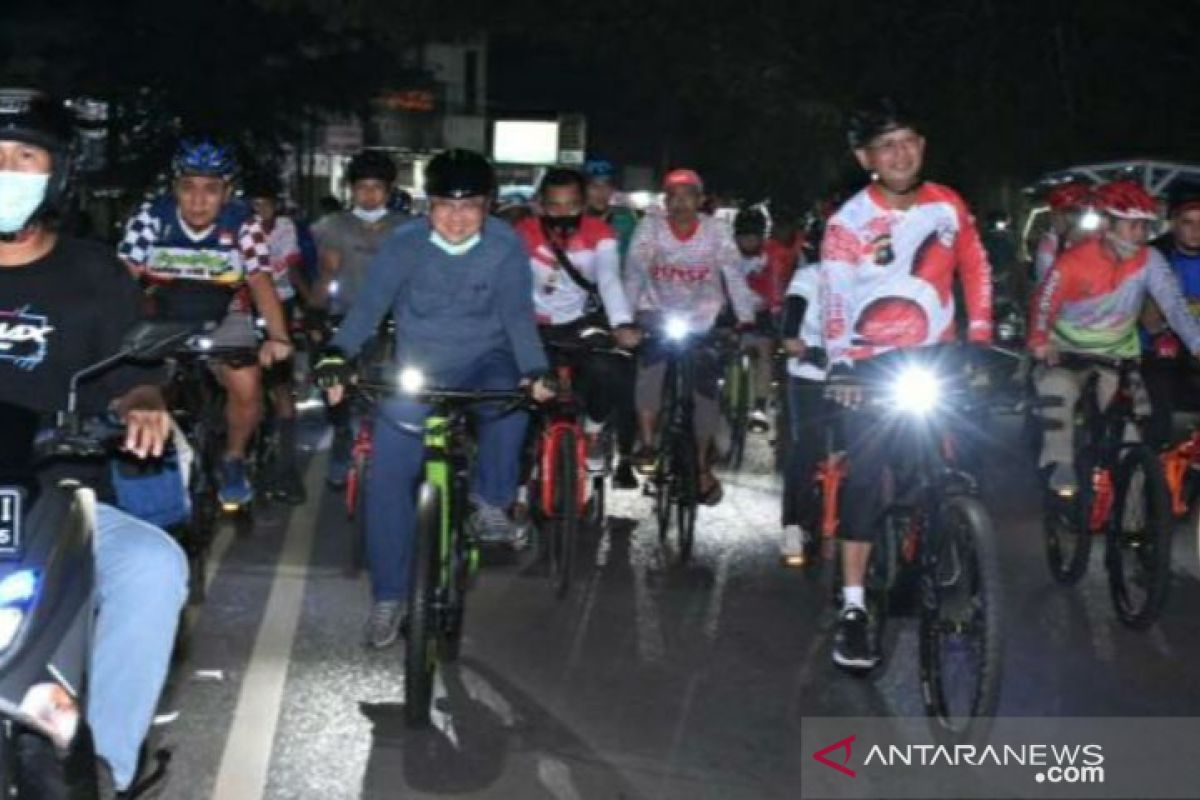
{"type": "Point", "coordinates": [47, 581]}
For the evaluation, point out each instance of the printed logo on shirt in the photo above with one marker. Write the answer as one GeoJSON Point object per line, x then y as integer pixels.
{"type": "Point", "coordinates": [882, 252]}
{"type": "Point", "coordinates": [667, 273]}
{"type": "Point", "coordinates": [23, 338]}
{"type": "Point", "coordinates": [183, 263]}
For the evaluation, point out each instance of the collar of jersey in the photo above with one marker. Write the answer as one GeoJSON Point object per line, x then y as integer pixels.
{"type": "Point", "coordinates": [190, 233]}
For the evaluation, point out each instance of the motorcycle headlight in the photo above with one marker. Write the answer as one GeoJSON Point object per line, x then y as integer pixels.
{"type": "Point", "coordinates": [916, 390]}
{"type": "Point", "coordinates": [412, 380]}
{"type": "Point", "coordinates": [677, 328]}
{"type": "Point", "coordinates": [17, 592]}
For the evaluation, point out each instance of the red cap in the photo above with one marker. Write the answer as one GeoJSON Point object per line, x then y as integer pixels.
{"type": "Point", "coordinates": [682, 177]}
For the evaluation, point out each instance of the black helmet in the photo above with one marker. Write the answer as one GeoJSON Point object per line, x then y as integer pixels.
{"type": "Point", "coordinates": [874, 119]}
{"type": "Point", "coordinates": [34, 117]}
{"type": "Point", "coordinates": [262, 184]}
{"type": "Point", "coordinates": [459, 173]}
{"type": "Point", "coordinates": [371, 165]}
{"type": "Point", "coordinates": [750, 222]}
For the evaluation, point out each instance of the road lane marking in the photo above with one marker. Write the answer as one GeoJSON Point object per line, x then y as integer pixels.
{"type": "Point", "coordinates": [245, 763]}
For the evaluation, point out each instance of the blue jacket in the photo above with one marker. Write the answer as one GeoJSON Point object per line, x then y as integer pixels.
{"type": "Point", "coordinates": [450, 311]}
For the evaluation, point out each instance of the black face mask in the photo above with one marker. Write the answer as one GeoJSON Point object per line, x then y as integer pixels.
{"type": "Point", "coordinates": [561, 226]}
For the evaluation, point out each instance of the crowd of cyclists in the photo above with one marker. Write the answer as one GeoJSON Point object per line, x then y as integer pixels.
{"type": "Point", "coordinates": [477, 304]}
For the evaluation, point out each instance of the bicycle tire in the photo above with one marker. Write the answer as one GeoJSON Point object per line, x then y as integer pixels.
{"type": "Point", "coordinates": [1151, 547]}
{"type": "Point", "coordinates": [961, 592]}
{"type": "Point", "coordinates": [356, 506]}
{"type": "Point", "coordinates": [739, 411]}
{"type": "Point", "coordinates": [564, 520]}
{"type": "Point", "coordinates": [687, 497]}
{"type": "Point", "coordinates": [1066, 525]}
{"type": "Point", "coordinates": [420, 652]}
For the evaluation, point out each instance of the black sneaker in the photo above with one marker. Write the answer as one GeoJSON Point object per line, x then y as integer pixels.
{"type": "Point", "coordinates": [624, 477]}
{"type": "Point", "coordinates": [852, 645]}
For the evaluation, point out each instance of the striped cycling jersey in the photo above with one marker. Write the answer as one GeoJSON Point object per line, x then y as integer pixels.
{"type": "Point", "coordinates": [887, 275]}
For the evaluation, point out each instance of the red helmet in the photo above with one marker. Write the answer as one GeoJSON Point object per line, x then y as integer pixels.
{"type": "Point", "coordinates": [1070, 196]}
{"type": "Point", "coordinates": [683, 177]}
{"type": "Point", "coordinates": [1126, 199]}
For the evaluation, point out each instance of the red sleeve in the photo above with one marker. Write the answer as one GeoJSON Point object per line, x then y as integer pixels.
{"type": "Point", "coordinates": [976, 275]}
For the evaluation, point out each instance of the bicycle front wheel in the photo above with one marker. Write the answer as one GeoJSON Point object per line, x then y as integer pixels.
{"type": "Point", "coordinates": [1067, 526]}
{"type": "Point", "coordinates": [738, 386]}
{"type": "Point", "coordinates": [960, 624]}
{"type": "Point", "coordinates": [1138, 555]}
{"type": "Point", "coordinates": [687, 497]}
{"type": "Point", "coordinates": [420, 654]}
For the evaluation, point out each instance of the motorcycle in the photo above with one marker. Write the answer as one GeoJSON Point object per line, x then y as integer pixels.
{"type": "Point", "coordinates": [47, 581]}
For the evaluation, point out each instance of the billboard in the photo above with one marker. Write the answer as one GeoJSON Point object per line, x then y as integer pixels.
{"type": "Point", "coordinates": [525, 142]}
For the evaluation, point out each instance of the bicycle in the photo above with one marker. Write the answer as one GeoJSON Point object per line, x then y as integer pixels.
{"type": "Point", "coordinates": [937, 548]}
{"type": "Point", "coordinates": [445, 555]}
{"type": "Point", "coordinates": [1113, 470]}
{"type": "Point", "coordinates": [561, 477]}
{"type": "Point", "coordinates": [736, 390]}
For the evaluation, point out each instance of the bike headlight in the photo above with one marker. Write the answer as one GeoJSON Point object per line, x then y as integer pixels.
{"type": "Point", "coordinates": [677, 328]}
{"type": "Point", "coordinates": [412, 380]}
{"type": "Point", "coordinates": [17, 592]}
{"type": "Point", "coordinates": [204, 343]}
{"type": "Point", "coordinates": [1090, 220]}
{"type": "Point", "coordinates": [1006, 331]}
{"type": "Point", "coordinates": [916, 390]}
{"type": "Point", "coordinates": [333, 288]}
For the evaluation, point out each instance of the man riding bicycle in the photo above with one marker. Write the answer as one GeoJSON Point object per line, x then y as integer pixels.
{"type": "Point", "coordinates": [1089, 304]}
{"type": "Point", "coordinates": [576, 287]}
{"type": "Point", "coordinates": [889, 260]}
{"type": "Point", "coordinates": [459, 287]}
{"type": "Point", "coordinates": [205, 257]}
{"type": "Point", "coordinates": [346, 242]}
{"type": "Point", "coordinates": [674, 270]}
{"type": "Point", "coordinates": [80, 302]}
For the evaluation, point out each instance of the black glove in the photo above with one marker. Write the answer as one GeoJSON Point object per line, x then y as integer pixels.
{"type": "Point", "coordinates": [332, 368]}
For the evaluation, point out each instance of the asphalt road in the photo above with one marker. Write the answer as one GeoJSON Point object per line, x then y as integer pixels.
{"type": "Point", "coordinates": [647, 681]}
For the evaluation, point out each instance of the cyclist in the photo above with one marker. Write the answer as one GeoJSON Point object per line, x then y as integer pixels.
{"type": "Point", "coordinates": [675, 266]}
{"type": "Point", "coordinates": [460, 289]}
{"type": "Point", "coordinates": [263, 192]}
{"type": "Point", "coordinates": [767, 265]}
{"type": "Point", "coordinates": [601, 185]}
{"type": "Point", "coordinates": [889, 259]}
{"type": "Point", "coordinates": [1070, 223]}
{"type": "Point", "coordinates": [206, 257]}
{"type": "Point", "coordinates": [1172, 377]}
{"type": "Point", "coordinates": [78, 301]}
{"type": "Point", "coordinates": [346, 242]}
{"type": "Point", "coordinates": [1089, 303]}
{"type": "Point", "coordinates": [577, 286]}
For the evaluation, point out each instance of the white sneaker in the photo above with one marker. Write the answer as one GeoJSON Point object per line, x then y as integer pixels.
{"type": "Point", "coordinates": [791, 546]}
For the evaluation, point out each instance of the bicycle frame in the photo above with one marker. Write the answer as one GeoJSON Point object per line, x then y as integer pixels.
{"type": "Point", "coordinates": [565, 418]}
{"type": "Point", "coordinates": [1176, 463]}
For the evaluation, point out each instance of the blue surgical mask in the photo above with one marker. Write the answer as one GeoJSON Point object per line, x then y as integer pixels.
{"type": "Point", "coordinates": [370, 216]}
{"type": "Point", "coordinates": [21, 193]}
{"type": "Point", "coordinates": [453, 249]}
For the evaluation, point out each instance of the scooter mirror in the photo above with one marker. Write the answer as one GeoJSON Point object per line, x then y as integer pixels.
{"type": "Point", "coordinates": [151, 340]}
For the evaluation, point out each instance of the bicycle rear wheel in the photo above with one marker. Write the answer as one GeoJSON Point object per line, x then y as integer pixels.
{"type": "Point", "coordinates": [564, 517]}
{"type": "Point", "coordinates": [1138, 552]}
{"type": "Point", "coordinates": [420, 654]}
{"type": "Point", "coordinates": [960, 624]}
{"type": "Point", "coordinates": [1066, 523]}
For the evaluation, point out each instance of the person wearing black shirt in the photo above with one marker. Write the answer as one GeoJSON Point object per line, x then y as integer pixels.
{"type": "Point", "coordinates": [66, 304]}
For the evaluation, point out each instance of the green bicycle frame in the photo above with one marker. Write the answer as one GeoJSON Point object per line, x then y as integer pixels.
{"type": "Point", "coordinates": [439, 473]}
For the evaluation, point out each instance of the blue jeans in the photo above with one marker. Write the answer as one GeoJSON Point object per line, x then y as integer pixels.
{"type": "Point", "coordinates": [399, 455]}
{"type": "Point", "coordinates": [141, 586]}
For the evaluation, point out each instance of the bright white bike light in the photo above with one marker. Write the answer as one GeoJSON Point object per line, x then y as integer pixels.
{"type": "Point", "coordinates": [333, 288]}
{"type": "Point", "coordinates": [677, 328]}
{"type": "Point", "coordinates": [916, 390]}
{"type": "Point", "coordinates": [1090, 220]}
{"type": "Point", "coordinates": [412, 380]}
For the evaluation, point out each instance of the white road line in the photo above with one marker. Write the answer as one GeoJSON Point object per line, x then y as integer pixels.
{"type": "Point", "coordinates": [247, 757]}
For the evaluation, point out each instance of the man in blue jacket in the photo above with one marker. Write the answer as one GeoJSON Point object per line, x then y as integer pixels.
{"type": "Point", "coordinates": [459, 288]}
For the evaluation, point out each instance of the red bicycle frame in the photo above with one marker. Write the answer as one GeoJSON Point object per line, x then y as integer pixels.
{"type": "Point", "coordinates": [363, 446]}
{"type": "Point", "coordinates": [548, 449]}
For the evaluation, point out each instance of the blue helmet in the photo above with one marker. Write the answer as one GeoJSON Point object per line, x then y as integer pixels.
{"type": "Point", "coordinates": [599, 168]}
{"type": "Point", "coordinates": [203, 157]}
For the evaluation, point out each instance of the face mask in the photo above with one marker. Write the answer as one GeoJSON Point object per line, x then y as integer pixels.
{"type": "Point", "coordinates": [369, 216]}
{"type": "Point", "coordinates": [453, 249]}
{"type": "Point", "coordinates": [20, 195]}
{"type": "Point", "coordinates": [1124, 250]}
{"type": "Point", "coordinates": [562, 226]}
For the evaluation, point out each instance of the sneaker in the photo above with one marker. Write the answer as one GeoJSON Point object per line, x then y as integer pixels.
{"type": "Point", "coordinates": [852, 646]}
{"type": "Point", "coordinates": [643, 458]}
{"type": "Point", "coordinates": [759, 422]}
{"type": "Point", "coordinates": [383, 625]}
{"type": "Point", "coordinates": [596, 457]}
{"type": "Point", "coordinates": [792, 546]}
{"type": "Point", "coordinates": [490, 524]}
{"type": "Point", "coordinates": [1063, 481]}
{"type": "Point", "coordinates": [522, 522]}
{"type": "Point", "coordinates": [235, 486]}
{"type": "Point", "coordinates": [625, 478]}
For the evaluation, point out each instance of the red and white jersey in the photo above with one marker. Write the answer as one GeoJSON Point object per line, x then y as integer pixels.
{"type": "Point", "coordinates": [677, 272]}
{"type": "Point", "coordinates": [284, 245]}
{"type": "Point", "coordinates": [887, 275]}
{"type": "Point", "coordinates": [557, 299]}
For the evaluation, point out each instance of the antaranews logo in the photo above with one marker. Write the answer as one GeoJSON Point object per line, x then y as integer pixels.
{"type": "Point", "coordinates": [844, 744]}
